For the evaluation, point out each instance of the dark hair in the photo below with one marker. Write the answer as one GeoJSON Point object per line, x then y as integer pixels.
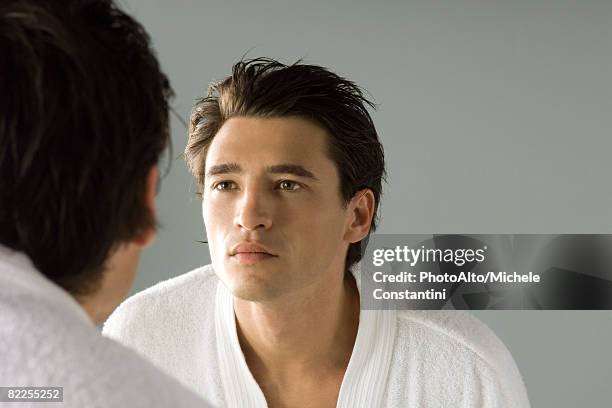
{"type": "Point", "coordinates": [83, 119]}
{"type": "Point", "coordinates": [264, 87]}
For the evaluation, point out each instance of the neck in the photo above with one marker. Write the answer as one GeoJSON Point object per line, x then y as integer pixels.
{"type": "Point", "coordinates": [114, 283]}
{"type": "Point", "coordinates": [311, 331]}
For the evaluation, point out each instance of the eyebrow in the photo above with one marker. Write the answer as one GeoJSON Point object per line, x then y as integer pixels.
{"type": "Point", "coordinates": [226, 168]}
{"type": "Point", "coordinates": [295, 169]}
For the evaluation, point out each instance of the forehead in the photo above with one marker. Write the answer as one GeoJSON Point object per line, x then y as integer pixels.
{"type": "Point", "coordinates": [269, 141]}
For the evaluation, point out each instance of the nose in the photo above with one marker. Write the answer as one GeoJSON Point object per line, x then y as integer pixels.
{"type": "Point", "coordinates": [253, 212]}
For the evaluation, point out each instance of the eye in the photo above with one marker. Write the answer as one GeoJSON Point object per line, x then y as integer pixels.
{"type": "Point", "coordinates": [224, 185]}
{"type": "Point", "coordinates": [289, 185]}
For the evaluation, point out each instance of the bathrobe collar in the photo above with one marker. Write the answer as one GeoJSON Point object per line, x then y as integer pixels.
{"type": "Point", "coordinates": [366, 376]}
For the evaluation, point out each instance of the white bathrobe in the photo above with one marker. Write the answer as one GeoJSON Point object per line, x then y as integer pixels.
{"type": "Point", "coordinates": [46, 339]}
{"type": "Point", "coordinates": [424, 359]}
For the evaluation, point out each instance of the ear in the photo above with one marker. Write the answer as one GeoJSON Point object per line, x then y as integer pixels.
{"type": "Point", "coordinates": [146, 237]}
{"type": "Point", "coordinates": [361, 209]}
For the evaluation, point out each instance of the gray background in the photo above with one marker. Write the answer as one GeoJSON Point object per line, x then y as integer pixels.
{"type": "Point", "coordinates": [495, 116]}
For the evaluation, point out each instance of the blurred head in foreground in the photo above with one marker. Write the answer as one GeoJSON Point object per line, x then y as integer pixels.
{"type": "Point", "coordinates": [83, 122]}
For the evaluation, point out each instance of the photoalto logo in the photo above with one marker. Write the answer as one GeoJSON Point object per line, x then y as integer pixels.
{"type": "Point", "coordinates": [481, 272]}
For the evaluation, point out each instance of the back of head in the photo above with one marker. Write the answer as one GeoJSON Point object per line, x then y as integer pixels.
{"type": "Point", "coordinates": [83, 119]}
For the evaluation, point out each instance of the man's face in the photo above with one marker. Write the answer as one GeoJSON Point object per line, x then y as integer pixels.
{"type": "Point", "coordinates": [272, 208]}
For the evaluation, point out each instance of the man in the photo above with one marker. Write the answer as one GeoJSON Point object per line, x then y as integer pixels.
{"type": "Point", "coordinates": [290, 168]}
{"type": "Point", "coordinates": [83, 121]}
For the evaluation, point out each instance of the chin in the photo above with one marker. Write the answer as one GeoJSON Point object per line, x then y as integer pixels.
{"type": "Point", "coordinates": [252, 292]}
{"type": "Point", "coordinates": [250, 284]}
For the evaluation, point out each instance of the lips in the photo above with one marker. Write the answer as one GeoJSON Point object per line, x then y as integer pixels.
{"type": "Point", "coordinates": [249, 258]}
{"type": "Point", "coordinates": [250, 253]}
{"type": "Point", "coordinates": [250, 248]}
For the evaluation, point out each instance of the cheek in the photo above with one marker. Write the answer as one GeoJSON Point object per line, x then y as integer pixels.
{"type": "Point", "coordinates": [321, 226]}
{"type": "Point", "coordinates": [214, 213]}
{"type": "Point", "coordinates": [206, 213]}
{"type": "Point", "coordinates": [215, 223]}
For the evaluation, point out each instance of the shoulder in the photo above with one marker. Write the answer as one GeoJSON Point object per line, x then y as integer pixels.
{"type": "Point", "coordinates": [95, 371]}
{"type": "Point", "coordinates": [173, 300]}
{"type": "Point", "coordinates": [193, 282]}
{"type": "Point", "coordinates": [457, 329]}
{"type": "Point", "coordinates": [456, 349]}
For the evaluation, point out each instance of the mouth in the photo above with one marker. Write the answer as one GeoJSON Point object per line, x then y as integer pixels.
{"type": "Point", "coordinates": [249, 258]}
{"type": "Point", "coordinates": [248, 253]}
